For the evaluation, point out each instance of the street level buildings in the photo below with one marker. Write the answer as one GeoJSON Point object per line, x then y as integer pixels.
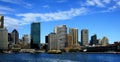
{"type": "Point", "coordinates": [35, 35]}
{"type": "Point", "coordinates": [84, 37]}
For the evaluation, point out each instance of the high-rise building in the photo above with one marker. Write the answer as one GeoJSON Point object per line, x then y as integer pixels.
{"type": "Point", "coordinates": [52, 41]}
{"type": "Point", "coordinates": [84, 37]}
{"type": "Point", "coordinates": [1, 21]}
{"type": "Point", "coordinates": [69, 42]}
{"type": "Point", "coordinates": [94, 40]}
{"type": "Point", "coordinates": [15, 36]}
{"type": "Point", "coordinates": [61, 32]}
{"type": "Point", "coordinates": [35, 35]}
{"type": "Point", "coordinates": [3, 34]}
{"type": "Point", "coordinates": [74, 33]}
{"type": "Point", "coordinates": [104, 41]}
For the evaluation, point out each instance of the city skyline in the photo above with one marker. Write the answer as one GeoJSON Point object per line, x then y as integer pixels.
{"type": "Point", "coordinates": [98, 16]}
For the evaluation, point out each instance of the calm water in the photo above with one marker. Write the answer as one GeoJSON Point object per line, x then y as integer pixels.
{"type": "Point", "coordinates": [65, 57]}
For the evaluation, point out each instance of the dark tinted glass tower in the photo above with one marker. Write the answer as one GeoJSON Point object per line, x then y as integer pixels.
{"type": "Point", "coordinates": [35, 35]}
{"type": "Point", "coordinates": [93, 40]}
{"type": "Point", "coordinates": [15, 36]}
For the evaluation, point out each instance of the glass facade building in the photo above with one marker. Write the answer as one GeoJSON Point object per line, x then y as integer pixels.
{"type": "Point", "coordinates": [35, 35]}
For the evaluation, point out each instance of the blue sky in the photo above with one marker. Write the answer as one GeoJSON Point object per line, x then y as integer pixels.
{"type": "Point", "coordinates": [100, 17]}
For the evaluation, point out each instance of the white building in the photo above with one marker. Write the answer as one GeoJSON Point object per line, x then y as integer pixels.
{"type": "Point", "coordinates": [52, 42]}
{"type": "Point", "coordinates": [61, 32]}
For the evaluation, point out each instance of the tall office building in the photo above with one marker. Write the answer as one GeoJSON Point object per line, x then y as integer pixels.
{"type": "Point", "coordinates": [3, 34]}
{"type": "Point", "coordinates": [74, 33]}
{"type": "Point", "coordinates": [52, 42]}
{"type": "Point", "coordinates": [84, 37]}
{"type": "Point", "coordinates": [94, 40]}
{"type": "Point", "coordinates": [61, 32]}
{"type": "Point", "coordinates": [1, 21]}
{"type": "Point", "coordinates": [104, 41]}
{"type": "Point", "coordinates": [15, 36]}
{"type": "Point", "coordinates": [35, 35]}
{"type": "Point", "coordinates": [69, 42]}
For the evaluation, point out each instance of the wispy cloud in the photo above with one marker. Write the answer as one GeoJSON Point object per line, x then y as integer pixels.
{"type": "Point", "coordinates": [6, 8]}
{"type": "Point", "coordinates": [13, 22]}
{"type": "Point", "coordinates": [98, 3]}
{"type": "Point", "coordinates": [27, 18]}
{"type": "Point", "coordinates": [19, 2]}
{"type": "Point", "coordinates": [61, 15]}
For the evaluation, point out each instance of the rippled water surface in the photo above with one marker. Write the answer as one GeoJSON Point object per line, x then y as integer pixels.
{"type": "Point", "coordinates": [65, 57]}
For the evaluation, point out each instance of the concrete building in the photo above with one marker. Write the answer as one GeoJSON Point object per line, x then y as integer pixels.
{"type": "Point", "coordinates": [52, 41]}
{"type": "Point", "coordinates": [74, 33]}
{"type": "Point", "coordinates": [3, 34]}
{"type": "Point", "coordinates": [84, 37]}
{"type": "Point", "coordinates": [25, 41]}
{"type": "Point", "coordinates": [3, 38]}
{"type": "Point", "coordinates": [15, 36]}
{"type": "Point", "coordinates": [69, 42]}
{"type": "Point", "coordinates": [94, 40]}
{"type": "Point", "coordinates": [35, 35]}
{"type": "Point", "coordinates": [104, 41]}
{"type": "Point", "coordinates": [61, 32]}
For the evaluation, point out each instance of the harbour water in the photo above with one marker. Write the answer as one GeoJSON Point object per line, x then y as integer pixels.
{"type": "Point", "coordinates": [65, 57]}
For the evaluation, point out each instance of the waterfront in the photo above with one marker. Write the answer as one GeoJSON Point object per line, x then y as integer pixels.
{"type": "Point", "coordinates": [65, 57]}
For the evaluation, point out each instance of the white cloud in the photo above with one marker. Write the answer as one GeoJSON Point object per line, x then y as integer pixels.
{"type": "Point", "coordinates": [6, 8]}
{"type": "Point", "coordinates": [98, 3]}
{"type": "Point", "coordinates": [27, 18]}
{"type": "Point", "coordinates": [13, 22]}
{"type": "Point", "coordinates": [19, 2]}
{"type": "Point", "coordinates": [107, 1]}
{"type": "Point", "coordinates": [61, 15]}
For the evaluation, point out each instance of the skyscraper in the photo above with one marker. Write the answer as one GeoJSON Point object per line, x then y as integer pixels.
{"type": "Point", "coordinates": [94, 40]}
{"type": "Point", "coordinates": [15, 36]}
{"type": "Point", "coordinates": [1, 21]}
{"type": "Point", "coordinates": [61, 32]}
{"type": "Point", "coordinates": [35, 35]}
{"type": "Point", "coordinates": [84, 37]}
{"type": "Point", "coordinates": [69, 42]}
{"type": "Point", "coordinates": [3, 34]}
{"type": "Point", "coordinates": [74, 33]}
